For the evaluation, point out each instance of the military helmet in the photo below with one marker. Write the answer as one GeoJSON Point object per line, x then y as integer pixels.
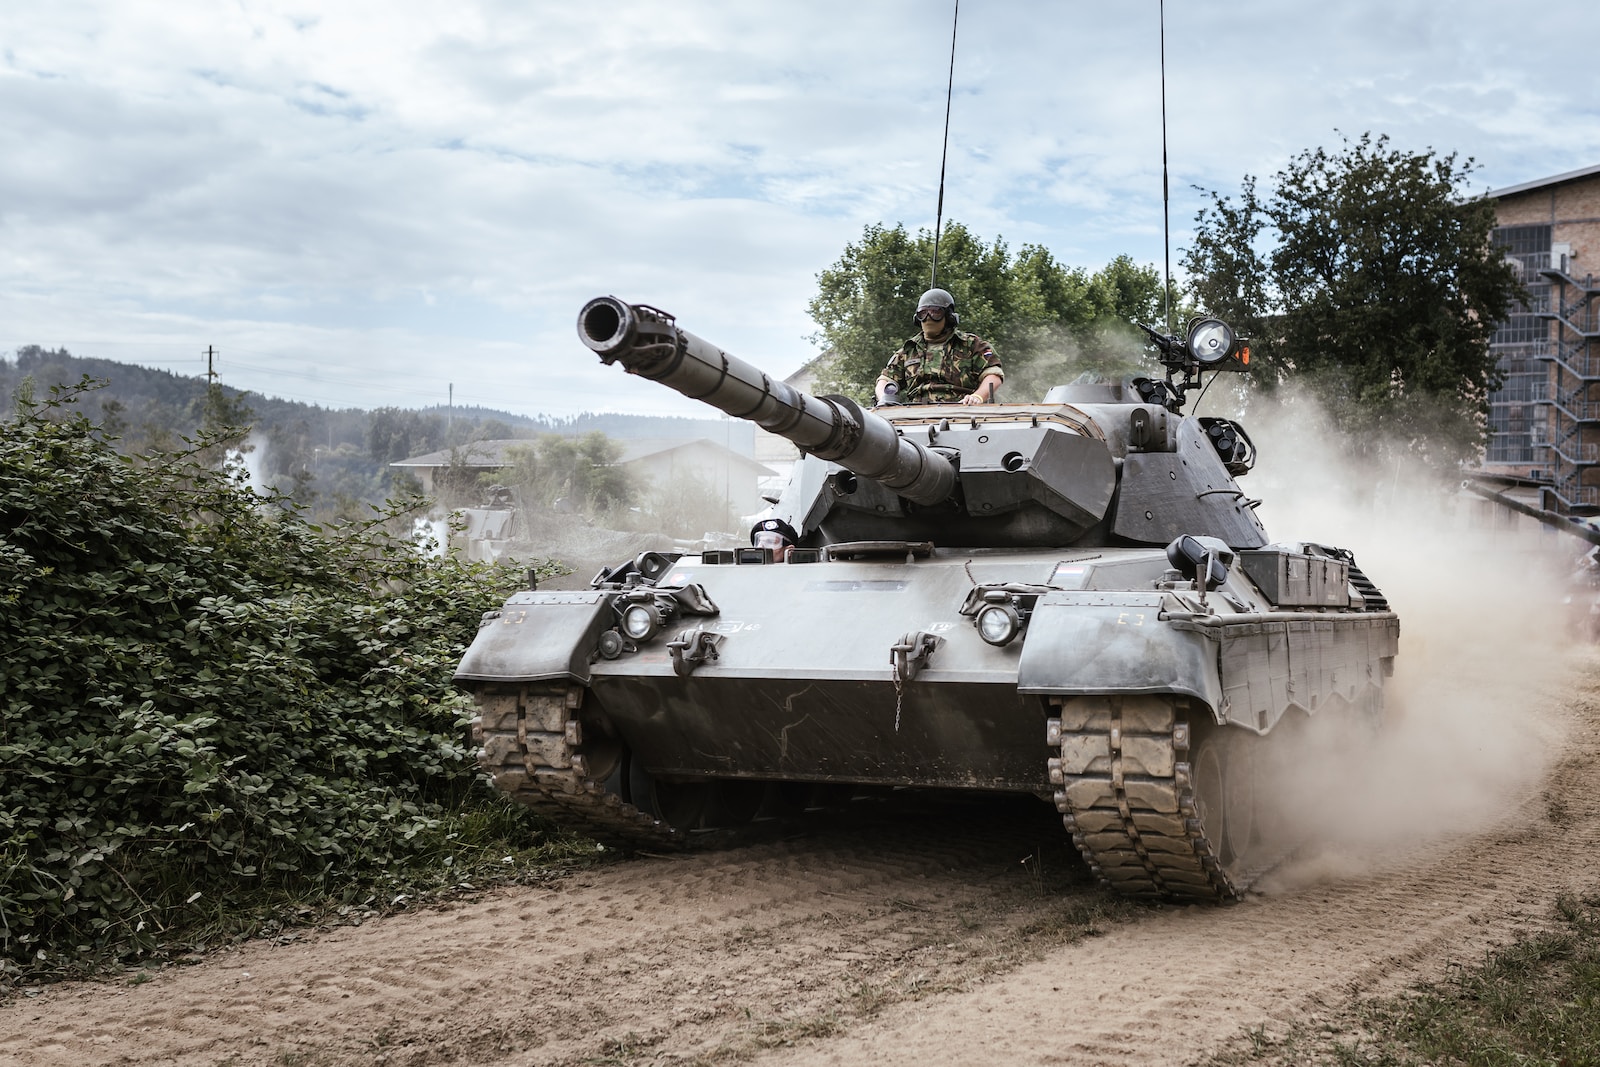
{"type": "Point", "coordinates": [939, 298]}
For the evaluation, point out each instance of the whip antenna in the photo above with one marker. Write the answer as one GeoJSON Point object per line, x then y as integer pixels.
{"type": "Point", "coordinates": [1166, 212]}
{"type": "Point", "coordinates": [938, 225]}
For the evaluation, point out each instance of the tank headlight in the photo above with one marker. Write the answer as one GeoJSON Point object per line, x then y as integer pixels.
{"type": "Point", "coordinates": [999, 623]}
{"type": "Point", "coordinates": [1210, 341]}
{"type": "Point", "coordinates": [641, 622]}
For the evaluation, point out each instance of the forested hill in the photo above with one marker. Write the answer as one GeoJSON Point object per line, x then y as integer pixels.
{"type": "Point", "coordinates": [333, 460]}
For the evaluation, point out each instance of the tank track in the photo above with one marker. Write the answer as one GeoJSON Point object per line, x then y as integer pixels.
{"type": "Point", "coordinates": [531, 745]}
{"type": "Point", "coordinates": [1371, 595]}
{"type": "Point", "coordinates": [1126, 792]}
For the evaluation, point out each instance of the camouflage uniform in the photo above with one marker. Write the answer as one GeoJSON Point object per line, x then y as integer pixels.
{"type": "Point", "coordinates": [943, 371]}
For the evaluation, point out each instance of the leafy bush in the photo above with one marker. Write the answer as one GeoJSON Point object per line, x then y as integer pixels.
{"type": "Point", "coordinates": [206, 702]}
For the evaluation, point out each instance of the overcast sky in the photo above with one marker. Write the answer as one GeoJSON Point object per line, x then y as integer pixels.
{"type": "Point", "coordinates": [360, 203]}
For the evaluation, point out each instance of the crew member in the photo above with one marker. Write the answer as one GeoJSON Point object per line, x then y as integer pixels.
{"type": "Point", "coordinates": [941, 364]}
{"type": "Point", "coordinates": [776, 535]}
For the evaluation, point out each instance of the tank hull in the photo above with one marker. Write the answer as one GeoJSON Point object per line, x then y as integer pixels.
{"type": "Point", "coordinates": [1100, 704]}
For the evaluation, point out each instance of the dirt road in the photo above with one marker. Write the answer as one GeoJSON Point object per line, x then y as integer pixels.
{"type": "Point", "coordinates": [929, 934]}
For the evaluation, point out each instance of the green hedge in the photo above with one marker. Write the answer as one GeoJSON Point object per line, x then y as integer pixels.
{"type": "Point", "coordinates": [206, 701]}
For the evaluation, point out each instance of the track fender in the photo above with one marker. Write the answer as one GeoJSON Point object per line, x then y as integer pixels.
{"type": "Point", "coordinates": [1112, 642]}
{"type": "Point", "coordinates": [538, 637]}
{"type": "Point", "coordinates": [1301, 660]}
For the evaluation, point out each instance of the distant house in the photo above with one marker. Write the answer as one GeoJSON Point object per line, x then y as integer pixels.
{"type": "Point", "coordinates": [653, 461]}
{"type": "Point", "coordinates": [662, 462]}
{"type": "Point", "coordinates": [478, 457]}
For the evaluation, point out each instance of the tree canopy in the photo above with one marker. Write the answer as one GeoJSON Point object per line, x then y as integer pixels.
{"type": "Point", "coordinates": [580, 469]}
{"type": "Point", "coordinates": [1046, 321]}
{"type": "Point", "coordinates": [1367, 273]}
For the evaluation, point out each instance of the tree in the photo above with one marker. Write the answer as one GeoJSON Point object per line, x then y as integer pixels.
{"type": "Point", "coordinates": [581, 470]}
{"type": "Point", "coordinates": [1366, 273]}
{"type": "Point", "coordinates": [492, 430]}
{"type": "Point", "coordinates": [395, 434]}
{"type": "Point", "coordinates": [1042, 317]}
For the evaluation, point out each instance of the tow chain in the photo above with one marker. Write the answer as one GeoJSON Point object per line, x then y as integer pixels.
{"type": "Point", "coordinates": [899, 690]}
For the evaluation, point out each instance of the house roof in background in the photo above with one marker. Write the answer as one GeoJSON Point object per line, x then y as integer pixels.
{"type": "Point", "coordinates": [1540, 183]}
{"type": "Point", "coordinates": [485, 454]}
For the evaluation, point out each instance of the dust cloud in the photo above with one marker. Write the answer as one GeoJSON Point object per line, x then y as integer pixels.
{"type": "Point", "coordinates": [1473, 719]}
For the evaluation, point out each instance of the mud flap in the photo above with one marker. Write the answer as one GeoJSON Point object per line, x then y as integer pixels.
{"type": "Point", "coordinates": [1094, 642]}
{"type": "Point", "coordinates": [538, 637]}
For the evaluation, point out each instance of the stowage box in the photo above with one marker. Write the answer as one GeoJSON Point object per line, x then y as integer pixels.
{"type": "Point", "coordinates": [1296, 579]}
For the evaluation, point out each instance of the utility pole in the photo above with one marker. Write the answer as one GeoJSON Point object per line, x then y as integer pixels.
{"type": "Point", "coordinates": [450, 412]}
{"type": "Point", "coordinates": [211, 372]}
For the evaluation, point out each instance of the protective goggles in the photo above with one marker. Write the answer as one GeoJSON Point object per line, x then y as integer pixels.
{"type": "Point", "coordinates": [770, 539]}
{"type": "Point", "coordinates": [930, 314]}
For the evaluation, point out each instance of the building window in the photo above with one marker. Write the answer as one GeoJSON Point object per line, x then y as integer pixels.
{"type": "Point", "coordinates": [1523, 388]}
{"type": "Point", "coordinates": [1522, 240]}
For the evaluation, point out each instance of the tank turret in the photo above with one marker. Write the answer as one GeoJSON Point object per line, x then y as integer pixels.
{"type": "Point", "coordinates": [1005, 475]}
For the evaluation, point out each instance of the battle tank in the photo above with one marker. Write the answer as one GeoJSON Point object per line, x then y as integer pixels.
{"type": "Point", "coordinates": [1072, 599]}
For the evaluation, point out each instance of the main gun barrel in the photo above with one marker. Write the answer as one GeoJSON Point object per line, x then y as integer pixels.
{"type": "Point", "coordinates": [648, 342]}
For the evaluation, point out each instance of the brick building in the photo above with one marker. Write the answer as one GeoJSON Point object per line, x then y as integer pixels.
{"type": "Point", "coordinates": [1544, 423]}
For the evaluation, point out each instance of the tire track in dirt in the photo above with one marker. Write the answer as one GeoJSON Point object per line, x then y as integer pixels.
{"type": "Point", "coordinates": [707, 955]}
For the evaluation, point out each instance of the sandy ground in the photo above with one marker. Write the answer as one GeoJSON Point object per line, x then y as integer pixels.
{"type": "Point", "coordinates": [920, 934]}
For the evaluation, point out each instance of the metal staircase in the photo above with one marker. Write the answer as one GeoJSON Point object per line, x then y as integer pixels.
{"type": "Point", "coordinates": [1577, 407]}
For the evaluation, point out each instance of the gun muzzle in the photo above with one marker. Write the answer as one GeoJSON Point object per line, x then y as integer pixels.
{"type": "Point", "coordinates": [648, 342]}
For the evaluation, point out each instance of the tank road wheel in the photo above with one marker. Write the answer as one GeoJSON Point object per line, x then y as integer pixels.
{"type": "Point", "coordinates": [1225, 801]}
{"type": "Point", "coordinates": [681, 805]}
{"type": "Point", "coordinates": [603, 759]}
{"type": "Point", "coordinates": [1208, 806]}
{"type": "Point", "coordinates": [736, 801]}
{"type": "Point", "coordinates": [1240, 800]}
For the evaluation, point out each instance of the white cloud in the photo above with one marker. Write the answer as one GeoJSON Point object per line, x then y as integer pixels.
{"type": "Point", "coordinates": [360, 203]}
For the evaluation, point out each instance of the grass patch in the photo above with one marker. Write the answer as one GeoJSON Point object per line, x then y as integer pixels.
{"type": "Point", "coordinates": [497, 845]}
{"type": "Point", "coordinates": [1533, 1002]}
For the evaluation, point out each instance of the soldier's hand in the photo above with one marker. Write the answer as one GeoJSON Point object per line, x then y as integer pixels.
{"type": "Point", "coordinates": [974, 398]}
